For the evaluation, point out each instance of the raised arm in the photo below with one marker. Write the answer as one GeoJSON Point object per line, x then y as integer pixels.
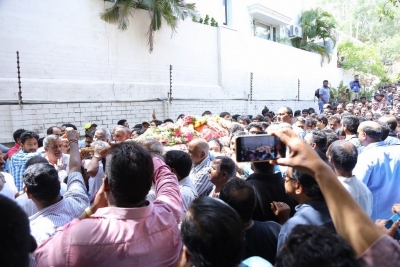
{"type": "Point", "coordinates": [350, 220]}
{"type": "Point", "coordinates": [74, 155]}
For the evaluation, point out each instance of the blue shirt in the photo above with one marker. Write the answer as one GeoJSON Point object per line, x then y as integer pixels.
{"type": "Point", "coordinates": [355, 86]}
{"type": "Point", "coordinates": [309, 213]}
{"type": "Point", "coordinates": [17, 166]}
{"type": "Point", "coordinates": [378, 167]}
{"type": "Point", "coordinates": [325, 94]}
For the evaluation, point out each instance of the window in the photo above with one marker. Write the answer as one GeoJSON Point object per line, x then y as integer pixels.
{"type": "Point", "coordinates": [265, 31]}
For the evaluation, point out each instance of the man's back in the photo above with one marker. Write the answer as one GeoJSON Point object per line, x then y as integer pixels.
{"type": "Point", "coordinates": [262, 240]}
{"type": "Point", "coordinates": [378, 167]}
{"type": "Point", "coordinates": [359, 192]}
{"type": "Point", "coordinates": [269, 188]}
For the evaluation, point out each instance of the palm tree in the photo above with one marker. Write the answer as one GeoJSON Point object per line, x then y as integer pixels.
{"type": "Point", "coordinates": [316, 25]}
{"type": "Point", "coordinates": [171, 10]}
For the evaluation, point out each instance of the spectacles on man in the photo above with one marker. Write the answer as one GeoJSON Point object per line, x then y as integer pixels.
{"type": "Point", "coordinates": [287, 176]}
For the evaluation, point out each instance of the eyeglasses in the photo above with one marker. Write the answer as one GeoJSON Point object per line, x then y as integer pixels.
{"type": "Point", "coordinates": [290, 178]}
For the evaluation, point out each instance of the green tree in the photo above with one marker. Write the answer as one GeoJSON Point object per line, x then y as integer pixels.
{"type": "Point", "coordinates": [171, 10]}
{"type": "Point", "coordinates": [316, 25]}
{"type": "Point", "coordinates": [339, 93]}
{"type": "Point", "coordinates": [390, 50]}
{"type": "Point", "coordinates": [362, 58]}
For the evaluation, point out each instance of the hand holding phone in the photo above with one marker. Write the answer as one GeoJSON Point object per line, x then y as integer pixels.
{"type": "Point", "coordinates": [389, 223]}
{"type": "Point", "coordinates": [259, 148]}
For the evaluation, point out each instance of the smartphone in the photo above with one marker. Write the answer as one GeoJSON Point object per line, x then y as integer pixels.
{"type": "Point", "coordinates": [388, 224]}
{"type": "Point", "coordinates": [261, 147]}
{"type": "Point", "coordinates": [347, 90]}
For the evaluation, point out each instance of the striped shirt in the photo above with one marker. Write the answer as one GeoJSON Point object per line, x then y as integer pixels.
{"type": "Point", "coordinates": [17, 166]}
{"type": "Point", "coordinates": [201, 177]}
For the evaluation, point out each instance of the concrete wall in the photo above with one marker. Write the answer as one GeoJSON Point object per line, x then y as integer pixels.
{"type": "Point", "coordinates": [77, 68]}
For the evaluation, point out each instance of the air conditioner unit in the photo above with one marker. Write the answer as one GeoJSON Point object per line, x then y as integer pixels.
{"type": "Point", "coordinates": [295, 31]}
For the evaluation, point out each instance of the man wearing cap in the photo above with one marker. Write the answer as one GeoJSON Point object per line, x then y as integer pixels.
{"type": "Point", "coordinates": [90, 130]}
{"type": "Point", "coordinates": [355, 86]}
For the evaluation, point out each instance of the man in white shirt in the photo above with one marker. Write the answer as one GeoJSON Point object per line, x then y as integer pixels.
{"type": "Point", "coordinates": [52, 145]}
{"type": "Point", "coordinates": [180, 164]}
{"type": "Point", "coordinates": [343, 157]}
{"type": "Point", "coordinates": [7, 186]}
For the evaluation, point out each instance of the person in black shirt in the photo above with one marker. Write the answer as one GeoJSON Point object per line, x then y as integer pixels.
{"type": "Point", "coordinates": [269, 187]}
{"type": "Point", "coordinates": [261, 237]}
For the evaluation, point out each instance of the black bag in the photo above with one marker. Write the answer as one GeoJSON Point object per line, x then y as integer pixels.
{"type": "Point", "coordinates": [317, 93]}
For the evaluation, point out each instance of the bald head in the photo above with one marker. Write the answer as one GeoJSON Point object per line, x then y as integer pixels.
{"type": "Point", "coordinates": [369, 132]}
{"type": "Point", "coordinates": [390, 121]}
{"type": "Point", "coordinates": [121, 133]}
{"type": "Point", "coordinates": [198, 150]}
{"type": "Point", "coordinates": [343, 155]}
{"type": "Point", "coordinates": [153, 146]}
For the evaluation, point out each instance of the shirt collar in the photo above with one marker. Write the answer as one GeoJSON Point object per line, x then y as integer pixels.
{"type": "Point", "coordinates": [124, 213]}
{"type": "Point", "coordinates": [202, 164]}
{"type": "Point", "coordinates": [376, 144]}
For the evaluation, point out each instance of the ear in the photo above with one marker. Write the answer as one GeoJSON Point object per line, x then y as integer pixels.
{"type": "Point", "coordinates": [173, 171]}
{"type": "Point", "coordinates": [184, 258]}
{"type": "Point", "coordinates": [107, 187]}
{"type": "Point", "coordinates": [29, 195]}
{"type": "Point", "coordinates": [314, 145]}
{"type": "Point", "coordinates": [299, 188]}
{"type": "Point", "coordinates": [46, 149]}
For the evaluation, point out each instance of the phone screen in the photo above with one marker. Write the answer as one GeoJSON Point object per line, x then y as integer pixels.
{"type": "Point", "coordinates": [388, 224]}
{"type": "Point", "coordinates": [258, 148]}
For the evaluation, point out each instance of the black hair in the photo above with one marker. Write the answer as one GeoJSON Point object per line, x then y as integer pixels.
{"type": "Point", "coordinates": [69, 125]}
{"type": "Point", "coordinates": [245, 118]}
{"type": "Point", "coordinates": [40, 142]}
{"type": "Point", "coordinates": [310, 186]}
{"type": "Point", "coordinates": [265, 110]}
{"type": "Point", "coordinates": [223, 114]}
{"type": "Point", "coordinates": [311, 122]}
{"type": "Point", "coordinates": [311, 245]}
{"type": "Point", "coordinates": [373, 133]}
{"type": "Point", "coordinates": [260, 118]}
{"type": "Point", "coordinates": [89, 135]}
{"type": "Point", "coordinates": [311, 111]}
{"type": "Point", "coordinates": [207, 112]}
{"type": "Point", "coordinates": [180, 161]}
{"type": "Point", "coordinates": [129, 169]}
{"type": "Point", "coordinates": [35, 160]}
{"type": "Point", "coordinates": [138, 126]}
{"type": "Point", "coordinates": [227, 165]}
{"type": "Point", "coordinates": [254, 125]}
{"type": "Point", "coordinates": [181, 116]}
{"type": "Point", "coordinates": [320, 139]}
{"type": "Point", "coordinates": [168, 120]}
{"type": "Point", "coordinates": [351, 122]}
{"type": "Point", "coordinates": [240, 195]}
{"type": "Point", "coordinates": [344, 158]}
{"type": "Point", "coordinates": [213, 139]}
{"type": "Point", "coordinates": [207, 228]}
{"type": "Point", "coordinates": [322, 118]}
{"type": "Point", "coordinates": [335, 118]}
{"type": "Point", "coordinates": [363, 97]}
{"type": "Point", "coordinates": [331, 136]}
{"type": "Point", "coordinates": [50, 130]}
{"type": "Point", "coordinates": [235, 117]}
{"type": "Point", "coordinates": [121, 122]}
{"type": "Point", "coordinates": [41, 180]}
{"type": "Point", "coordinates": [157, 122]}
{"type": "Point", "coordinates": [17, 134]}
{"type": "Point", "coordinates": [304, 110]}
{"type": "Point", "coordinates": [289, 111]}
{"type": "Point", "coordinates": [28, 135]}
{"type": "Point", "coordinates": [385, 130]}
{"type": "Point", "coordinates": [297, 113]}
{"type": "Point", "coordinates": [16, 241]}
{"type": "Point", "coordinates": [263, 167]}
{"type": "Point", "coordinates": [325, 81]}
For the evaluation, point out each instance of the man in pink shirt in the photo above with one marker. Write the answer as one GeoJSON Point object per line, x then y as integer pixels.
{"type": "Point", "coordinates": [125, 229]}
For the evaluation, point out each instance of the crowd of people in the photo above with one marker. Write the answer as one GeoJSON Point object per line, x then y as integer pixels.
{"type": "Point", "coordinates": [108, 200]}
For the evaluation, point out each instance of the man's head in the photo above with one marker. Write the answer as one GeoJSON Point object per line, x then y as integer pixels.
{"type": "Point", "coordinates": [327, 108]}
{"type": "Point", "coordinates": [90, 128]}
{"type": "Point", "coordinates": [17, 135]}
{"type": "Point", "coordinates": [179, 162]}
{"type": "Point", "coordinates": [101, 135]}
{"type": "Point", "coordinates": [325, 83]}
{"type": "Point", "coordinates": [29, 141]}
{"type": "Point", "coordinates": [316, 139]}
{"type": "Point", "coordinates": [129, 170]}
{"type": "Point", "coordinates": [207, 113]}
{"type": "Point", "coordinates": [322, 122]}
{"type": "Point", "coordinates": [357, 112]}
{"type": "Point", "coordinates": [121, 134]}
{"type": "Point", "coordinates": [215, 145]}
{"type": "Point", "coordinates": [254, 128]}
{"type": "Point", "coordinates": [304, 113]}
{"type": "Point", "coordinates": [300, 122]}
{"type": "Point", "coordinates": [350, 124]}
{"type": "Point", "coordinates": [363, 100]}
{"type": "Point", "coordinates": [225, 115]}
{"type": "Point", "coordinates": [390, 121]}
{"type": "Point", "coordinates": [222, 169]}
{"type": "Point", "coordinates": [153, 146]}
{"type": "Point", "coordinates": [310, 124]}
{"type": "Point", "coordinates": [284, 114]}
{"type": "Point", "coordinates": [52, 146]}
{"type": "Point", "coordinates": [342, 155]}
{"type": "Point", "coordinates": [339, 109]}
{"type": "Point", "coordinates": [244, 120]}
{"type": "Point", "coordinates": [300, 249]}
{"type": "Point", "coordinates": [301, 186]}
{"type": "Point", "coordinates": [209, 225]}
{"type": "Point", "coordinates": [54, 130]}
{"type": "Point", "coordinates": [240, 195]}
{"type": "Point", "coordinates": [88, 140]}
{"type": "Point", "coordinates": [16, 241]}
{"type": "Point", "coordinates": [350, 107]}
{"type": "Point", "coordinates": [334, 122]}
{"type": "Point", "coordinates": [42, 184]}
{"type": "Point", "coordinates": [331, 136]}
{"type": "Point", "coordinates": [369, 132]}
{"type": "Point", "coordinates": [123, 123]}
{"type": "Point", "coordinates": [356, 77]}
{"type": "Point", "coordinates": [198, 150]}
{"type": "Point", "coordinates": [263, 167]}
{"type": "Point", "coordinates": [155, 123]}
